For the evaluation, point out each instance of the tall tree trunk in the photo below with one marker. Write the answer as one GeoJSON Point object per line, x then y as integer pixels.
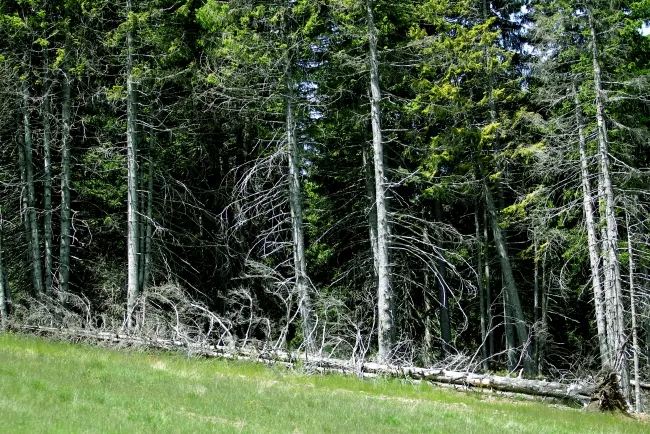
{"type": "Point", "coordinates": [372, 205]}
{"type": "Point", "coordinates": [536, 301]}
{"type": "Point", "coordinates": [23, 197]}
{"type": "Point", "coordinates": [34, 237]}
{"type": "Point", "coordinates": [429, 326]}
{"type": "Point", "coordinates": [385, 302]}
{"type": "Point", "coordinates": [132, 179]}
{"type": "Point", "coordinates": [614, 304]}
{"type": "Point", "coordinates": [441, 277]}
{"type": "Point", "coordinates": [46, 115]}
{"type": "Point", "coordinates": [508, 329]}
{"type": "Point", "coordinates": [142, 223]}
{"type": "Point", "coordinates": [295, 199]}
{"type": "Point", "coordinates": [148, 217]}
{"type": "Point", "coordinates": [66, 214]}
{"type": "Point", "coordinates": [4, 290]}
{"type": "Point", "coordinates": [544, 316]}
{"type": "Point", "coordinates": [513, 308]}
{"type": "Point", "coordinates": [488, 291]}
{"type": "Point", "coordinates": [483, 306]}
{"type": "Point", "coordinates": [635, 337]}
{"type": "Point", "coordinates": [592, 240]}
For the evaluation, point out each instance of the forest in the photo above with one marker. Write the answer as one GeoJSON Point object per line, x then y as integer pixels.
{"type": "Point", "coordinates": [441, 183]}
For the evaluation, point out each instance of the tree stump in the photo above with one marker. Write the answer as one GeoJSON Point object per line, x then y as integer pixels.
{"type": "Point", "coordinates": [608, 395]}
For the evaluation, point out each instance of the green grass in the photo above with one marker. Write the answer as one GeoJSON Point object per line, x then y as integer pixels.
{"type": "Point", "coordinates": [60, 387]}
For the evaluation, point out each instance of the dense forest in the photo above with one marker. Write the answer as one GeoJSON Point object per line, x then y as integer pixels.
{"type": "Point", "coordinates": [446, 183]}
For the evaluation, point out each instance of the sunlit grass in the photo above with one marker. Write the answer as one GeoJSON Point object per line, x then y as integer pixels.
{"type": "Point", "coordinates": [60, 387]}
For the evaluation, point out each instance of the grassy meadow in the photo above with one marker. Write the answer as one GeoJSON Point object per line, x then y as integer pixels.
{"type": "Point", "coordinates": [60, 387]}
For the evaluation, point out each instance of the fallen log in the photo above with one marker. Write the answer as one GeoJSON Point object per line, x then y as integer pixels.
{"type": "Point", "coordinates": [577, 392]}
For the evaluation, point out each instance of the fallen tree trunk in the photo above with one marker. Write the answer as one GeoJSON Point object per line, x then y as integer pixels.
{"type": "Point", "coordinates": [576, 392]}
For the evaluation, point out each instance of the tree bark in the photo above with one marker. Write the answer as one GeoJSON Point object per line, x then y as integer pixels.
{"type": "Point", "coordinates": [385, 302]}
{"type": "Point", "coordinates": [66, 214]}
{"type": "Point", "coordinates": [34, 237]}
{"type": "Point", "coordinates": [132, 179]}
{"type": "Point", "coordinates": [46, 115]}
{"type": "Point", "coordinates": [592, 241]}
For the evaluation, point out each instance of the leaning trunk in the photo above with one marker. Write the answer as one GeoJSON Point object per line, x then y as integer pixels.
{"type": "Point", "coordinates": [614, 304]}
{"type": "Point", "coordinates": [513, 308]}
{"type": "Point", "coordinates": [592, 240]}
{"type": "Point", "coordinates": [385, 302]}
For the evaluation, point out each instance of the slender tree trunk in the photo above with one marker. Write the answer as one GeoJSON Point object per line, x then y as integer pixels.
{"type": "Point", "coordinates": [536, 301]}
{"type": "Point", "coordinates": [635, 337]}
{"type": "Point", "coordinates": [614, 303]}
{"type": "Point", "coordinates": [441, 268]}
{"type": "Point", "coordinates": [385, 302]}
{"type": "Point", "coordinates": [66, 214]}
{"type": "Point", "coordinates": [592, 240]}
{"type": "Point", "coordinates": [142, 224]}
{"type": "Point", "coordinates": [511, 295]}
{"type": "Point", "coordinates": [295, 199]}
{"type": "Point", "coordinates": [35, 242]}
{"type": "Point", "coordinates": [429, 325]}
{"type": "Point", "coordinates": [544, 316]}
{"type": "Point", "coordinates": [509, 331]}
{"type": "Point", "coordinates": [46, 114]}
{"type": "Point", "coordinates": [488, 292]}
{"type": "Point", "coordinates": [132, 180]}
{"type": "Point", "coordinates": [149, 218]}
{"type": "Point", "coordinates": [372, 205]}
{"type": "Point", "coordinates": [4, 311]}
{"type": "Point", "coordinates": [483, 306]}
{"type": "Point", "coordinates": [608, 287]}
{"type": "Point", "coordinates": [23, 197]}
